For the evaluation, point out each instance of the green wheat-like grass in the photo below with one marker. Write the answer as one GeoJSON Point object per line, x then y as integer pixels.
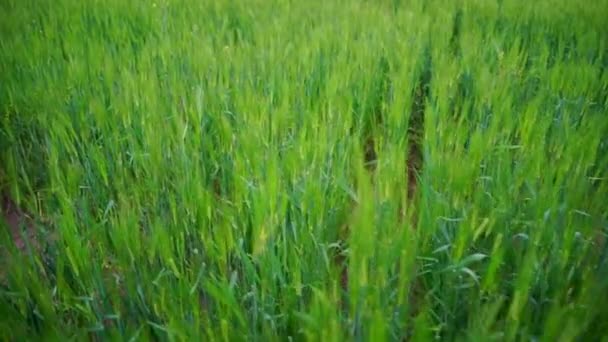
{"type": "Point", "coordinates": [199, 164]}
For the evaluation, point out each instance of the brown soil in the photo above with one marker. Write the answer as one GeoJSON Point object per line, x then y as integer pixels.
{"type": "Point", "coordinates": [20, 224]}
{"type": "Point", "coordinates": [415, 163]}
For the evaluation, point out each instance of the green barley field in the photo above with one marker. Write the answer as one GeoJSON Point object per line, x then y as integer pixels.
{"type": "Point", "coordinates": [316, 170]}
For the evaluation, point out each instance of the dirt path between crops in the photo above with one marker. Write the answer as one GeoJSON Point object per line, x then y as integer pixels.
{"type": "Point", "coordinates": [21, 230]}
{"type": "Point", "coordinates": [413, 168]}
{"type": "Point", "coordinates": [19, 223]}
